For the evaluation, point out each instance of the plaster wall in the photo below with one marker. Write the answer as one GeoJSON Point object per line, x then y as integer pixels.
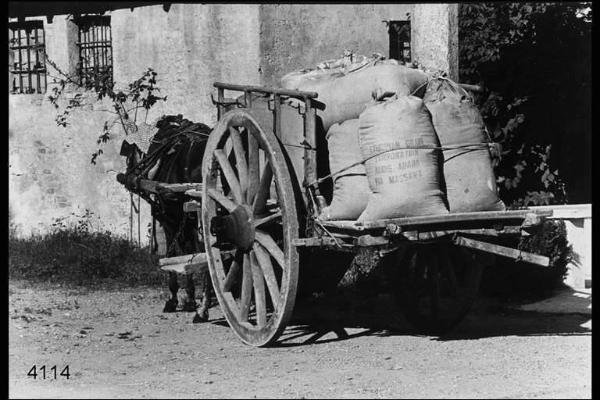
{"type": "Point", "coordinates": [295, 36]}
{"type": "Point", "coordinates": [190, 47]}
{"type": "Point", "coordinates": [434, 37]}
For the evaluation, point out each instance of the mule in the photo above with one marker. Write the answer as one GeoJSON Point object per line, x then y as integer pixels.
{"type": "Point", "coordinates": [174, 156]}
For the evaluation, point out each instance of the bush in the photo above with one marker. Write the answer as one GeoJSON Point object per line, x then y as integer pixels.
{"type": "Point", "coordinates": [76, 255]}
{"type": "Point", "coordinates": [508, 278]}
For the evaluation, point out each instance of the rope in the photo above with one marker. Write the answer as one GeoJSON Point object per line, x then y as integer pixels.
{"type": "Point", "coordinates": [442, 148]}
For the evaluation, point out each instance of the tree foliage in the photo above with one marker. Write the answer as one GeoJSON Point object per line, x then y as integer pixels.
{"type": "Point", "coordinates": [534, 59]}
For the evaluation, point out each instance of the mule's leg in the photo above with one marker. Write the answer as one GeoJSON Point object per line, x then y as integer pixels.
{"type": "Point", "coordinates": [190, 289]}
{"type": "Point", "coordinates": [171, 304]}
{"type": "Point", "coordinates": [202, 313]}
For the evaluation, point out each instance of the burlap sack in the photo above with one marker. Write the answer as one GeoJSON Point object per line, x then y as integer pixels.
{"type": "Point", "coordinates": [468, 172]}
{"type": "Point", "coordinates": [346, 95]}
{"type": "Point", "coordinates": [351, 188]}
{"type": "Point", "coordinates": [403, 182]}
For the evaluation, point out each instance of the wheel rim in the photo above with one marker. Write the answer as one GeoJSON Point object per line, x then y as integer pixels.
{"type": "Point", "coordinates": [438, 286]}
{"type": "Point", "coordinates": [247, 187]}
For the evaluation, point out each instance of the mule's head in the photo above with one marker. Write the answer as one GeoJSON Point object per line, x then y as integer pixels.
{"type": "Point", "coordinates": [132, 153]}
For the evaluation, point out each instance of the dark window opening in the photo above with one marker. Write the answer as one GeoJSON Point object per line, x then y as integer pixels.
{"type": "Point", "coordinates": [95, 51]}
{"type": "Point", "coordinates": [399, 32]}
{"type": "Point", "coordinates": [26, 57]}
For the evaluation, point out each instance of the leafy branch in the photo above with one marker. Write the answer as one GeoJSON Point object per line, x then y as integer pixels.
{"type": "Point", "coordinates": [141, 94]}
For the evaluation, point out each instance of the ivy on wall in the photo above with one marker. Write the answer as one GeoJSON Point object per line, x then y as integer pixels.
{"type": "Point", "coordinates": [534, 59]}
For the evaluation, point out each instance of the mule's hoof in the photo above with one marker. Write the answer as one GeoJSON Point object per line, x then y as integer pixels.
{"type": "Point", "coordinates": [189, 306]}
{"type": "Point", "coordinates": [198, 318]}
{"type": "Point", "coordinates": [170, 306]}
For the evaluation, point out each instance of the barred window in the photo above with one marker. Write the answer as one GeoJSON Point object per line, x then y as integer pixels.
{"type": "Point", "coordinates": [95, 51]}
{"type": "Point", "coordinates": [399, 32]}
{"type": "Point", "coordinates": [27, 63]}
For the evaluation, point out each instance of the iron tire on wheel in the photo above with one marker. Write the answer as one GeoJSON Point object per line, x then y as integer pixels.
{"type": "Point", "coordinates": [256, 287]}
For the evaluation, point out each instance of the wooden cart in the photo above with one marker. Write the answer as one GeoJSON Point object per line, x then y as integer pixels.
{"type": "Point", "coordinates": [258, 216]}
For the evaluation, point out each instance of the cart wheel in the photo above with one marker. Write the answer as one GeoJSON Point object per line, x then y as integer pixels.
{"type": "Point", "coordinates": [249, 212]}
{"type": "Point", "coordinates": [438, 286]}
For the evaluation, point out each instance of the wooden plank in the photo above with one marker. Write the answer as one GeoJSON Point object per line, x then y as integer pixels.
{"type": "Point", "coordinates": [368, 240]}
{"type": "Point", "coordinates": [437, 219]}
{"type": "Point", "coordinates": [320, 242]}
{"type": "Point", "coordinates": [187, 258]}
{"type": "Point", "coordinates": [179, 187]}
{"type": "Point", "coordinates": [151, 186]}
{"type": "Point", "coordinates": [567, 211]}
{"type": "Point", "coordinates": [503, 251]}
{"type": "Point", "coordinates": [263, 89]}
{"type": "Point", "coordinates": [194, 193]}
{"type": "Point", "coordinates": [192, 258]}
{"type": "Point", "coordinates": [186, 268]}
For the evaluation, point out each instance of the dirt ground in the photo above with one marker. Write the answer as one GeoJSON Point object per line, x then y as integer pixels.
{"type": "Point", "coordinates": [119, 344]}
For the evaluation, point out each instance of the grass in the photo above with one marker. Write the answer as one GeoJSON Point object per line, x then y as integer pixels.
{"type": "Point", "coordinates": [75, 255]}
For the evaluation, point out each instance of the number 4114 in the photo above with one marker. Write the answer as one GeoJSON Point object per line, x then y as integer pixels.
{"type": "Point", "coordinates": [52, 372]}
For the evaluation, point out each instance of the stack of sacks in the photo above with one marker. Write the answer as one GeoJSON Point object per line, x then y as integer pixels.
{"type": "Point", "coordinates": [468, 172]}
{"type": "Point", "coordinates": [405, 180]}
{"type": "Point", "coordinates": [347, 87]}
{"type": "Point", "coordinates": [374, 112]}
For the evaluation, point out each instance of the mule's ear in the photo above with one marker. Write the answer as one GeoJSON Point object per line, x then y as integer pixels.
{"type": "Point", "coordinates": [125, 148]}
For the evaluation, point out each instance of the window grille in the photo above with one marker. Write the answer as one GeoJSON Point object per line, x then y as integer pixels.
{"type": "Point", "coordinates": [26, 57]}
{"type": "Point", "coordinates": [399, 32]}
{"type": "Point", "coordinates": [95, 51]}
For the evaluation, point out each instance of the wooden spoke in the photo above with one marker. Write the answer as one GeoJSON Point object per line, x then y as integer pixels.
{"type": "Point", "coordinates": [231, 277]}
{"type": "Point", "coordinates": [240, 160]}
{"type": "Point", "coordinates": [434, 279]}
{"type": "Point", "coordinates": [222, 200]}
{"type": "Point", "coordinates": [253, 168]}
{"type": "Point", "coordinates": [232, 181]}
{"type": "Point", "coordinates": [264, 260]}
{"type": "Point", "coordinates": [443, 289]}
{"type": "Point", "coordinates": [268, 218]}
{"type": "Point", "coordinates": [269, 244]}
{"type": "Point", "coordinates": [246, 289]}
{"type": "Point", "coordinates": [259, 291]}
{"type": "Point", "coordinates": [264, 190]}
{"type": "Point", "coordinates": [447, 265]}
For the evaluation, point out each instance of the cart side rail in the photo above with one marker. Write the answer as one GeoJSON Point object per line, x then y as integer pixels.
{"type": "Point", "coordinates": [300, 95]}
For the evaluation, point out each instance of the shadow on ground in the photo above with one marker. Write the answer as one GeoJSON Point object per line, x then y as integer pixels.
{"type": "Point", "coordinates": [344, 317]}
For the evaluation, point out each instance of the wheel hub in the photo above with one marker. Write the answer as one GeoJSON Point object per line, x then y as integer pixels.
{"type": "Point", "coordinates": [235, 228]}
